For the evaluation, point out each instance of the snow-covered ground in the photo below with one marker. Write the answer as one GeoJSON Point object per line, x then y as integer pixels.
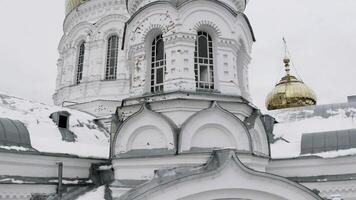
{"type": "Point", "coordinates": [293, 123]}
{"type": "Point", "coordinates": [96, 194]}
{"type": "Point", "coordinates": [91, 140]}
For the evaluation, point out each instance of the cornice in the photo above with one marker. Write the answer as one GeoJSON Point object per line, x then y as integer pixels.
{"type": "Point", "coordinates": [92, 9]}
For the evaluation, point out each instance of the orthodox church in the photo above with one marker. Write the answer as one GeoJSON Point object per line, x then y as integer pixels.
{"type": "Point", "coordinates": [152, 102]}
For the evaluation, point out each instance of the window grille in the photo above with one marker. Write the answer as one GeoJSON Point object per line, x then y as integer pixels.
{"type": "Point", "coordinates": [80, 63]}
{"type": "Point", "coordinates": [204, 62]}
{"type": "Point", "coordinates": [112, 57]}
{"type": "Point", "coordinates": [158, 65]}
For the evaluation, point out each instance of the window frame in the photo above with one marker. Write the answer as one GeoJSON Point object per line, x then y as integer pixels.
{"type": "Point", "coordinates": [107, 75]}
{"type": "Point", "coordinates": [157, 66]}
{"type": "Point", "coordinates": [80, 62]}
{"type": "Point", "coordinates": [204, 61]}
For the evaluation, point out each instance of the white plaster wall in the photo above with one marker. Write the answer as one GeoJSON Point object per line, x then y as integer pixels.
{"type": "Point", "coordinates": [229, 183]}
{"type": "Point", "coordinates": [43, 166]}
{"type": "Point", "coordinates": [203, 125]}
{"type": "Point", "coordinates": [134, 5]}
{"type": "Point", "coordinates": [92, 22]}
{"type": "Point", "coordinates": [231, 37]}
{"type": "Point", "coordinates": [317, 167]}
{"type": "Point", "coordinates": [313, 166]}
{"type": "Point", "coordinates": [214, 128]}
{"type": "Point", "coordinates": [259, 138]}
{"type": "Point", "coordinates": [145, 130]}
{"type": "Point", "coordinates": [143, 169]}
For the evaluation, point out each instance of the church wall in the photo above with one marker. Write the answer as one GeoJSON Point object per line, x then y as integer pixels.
{"type": "Point", "coordinates": [143, 169]}
{"type": "Point", "coordinates": [181, 126]}
{"type": "Point", "coordinates": [333, 177]}
{"type": "Point", "coordinates": [43, 166]}
{"type": "Point", "coordinates": [182, 109]}
{"type": "Point", "coordinates": [22, 175]}
{"type": "Point", "coordinates": [313, 166]}
{"type": "Point", "coordinates": [179, 27]}
{"type": "Point", "coordinates": [92, 22]}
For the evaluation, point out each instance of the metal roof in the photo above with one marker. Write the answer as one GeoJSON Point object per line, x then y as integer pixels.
{"type": "Point", "coordinates": [328, 141]}
{"type": "Point", "coordinates": [14, 133]}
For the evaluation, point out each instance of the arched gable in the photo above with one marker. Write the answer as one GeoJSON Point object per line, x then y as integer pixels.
{"type": "Point", "coordinates": [261, 132]}
{"type": "Point", "coordinates": [145, 133]}
{"type": "Point", "coordinates": [258, 133]}
{"type": "Point", "coordinates": [224, 176]}
{"type": "Point", "coordinates": [214, 128]}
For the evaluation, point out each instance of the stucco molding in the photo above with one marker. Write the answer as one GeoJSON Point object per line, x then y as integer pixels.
{"type": "Point", "coordinates": [217, 164]}
{"type": "Point", "coordinates": [215, 108]}
{"type": "Point", "coordinates": [159, 118]}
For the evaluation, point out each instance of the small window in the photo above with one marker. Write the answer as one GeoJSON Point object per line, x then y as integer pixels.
{"type": "Point", "coordinates": [112, 57]}
{"type": "Point", "coordinates": [80, 63]}
{"type": "Point", "coordinates": [158, 65]}
{"type": "Point", "coordinates": [204, 62]}
{"type": "Point", "coordinates": [63, 121]}
{"type": "Point", "coordinates": [61, 118]}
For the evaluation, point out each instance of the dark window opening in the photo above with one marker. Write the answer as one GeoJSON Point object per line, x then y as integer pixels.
{"type": "Point", "coordinates": [63, 121]}
{"type": "Point", "coordinates": [204, 61]}
{"type": "Point", "coordinates": [80, 63]}
{"type": "Point", "coordinates": [112, 58]}
{"type": "Point", "coordinates": [158, 65]}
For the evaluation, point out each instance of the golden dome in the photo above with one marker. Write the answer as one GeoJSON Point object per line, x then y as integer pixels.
{"type": "Point", "coordinates": [71, 4]}
{"type": "Point", "coordinates": [290, 92]}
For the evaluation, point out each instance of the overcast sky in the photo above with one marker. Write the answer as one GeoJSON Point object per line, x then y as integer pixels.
{"type": "Point", "coordinates": [321, 36]}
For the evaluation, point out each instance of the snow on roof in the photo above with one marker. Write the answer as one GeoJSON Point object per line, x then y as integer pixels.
{"type": "Point", "coordinates": [91, 141]}
{"type": "Point", "coordinates": [294, 122]}
{"type": "Point", "coordinates": [96, 194]}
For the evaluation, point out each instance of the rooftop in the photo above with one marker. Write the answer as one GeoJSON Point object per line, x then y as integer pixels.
{"type": "Point", "coordinates": [26, 126]}
{"type": "Point", "coordinates": [295, 127]}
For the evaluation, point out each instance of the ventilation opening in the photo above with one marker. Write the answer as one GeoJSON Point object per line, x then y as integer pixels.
{"type": "Point", "coordinates": [63, 121]}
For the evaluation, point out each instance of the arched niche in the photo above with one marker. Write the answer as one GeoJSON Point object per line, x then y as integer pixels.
{"type": "Point", "coordinates": [214, 128]}
{"type": "Point", "coordinates": [215, 16]}
{"type": "Point", "coordinates": [145, 133]}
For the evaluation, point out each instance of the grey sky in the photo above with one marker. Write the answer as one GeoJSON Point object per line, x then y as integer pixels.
{"type": "Point", "coordinates": [320, 33]}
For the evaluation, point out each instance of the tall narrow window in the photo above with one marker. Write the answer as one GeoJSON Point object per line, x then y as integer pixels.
{"type": "Point", "coordinates": [158, 65]}
{"type": "Point", "coordinates": [80, 63]}
{"type": "Point", "coordinates": [111, 58]}
{"type": "Point", "coordinates": [204, 62]}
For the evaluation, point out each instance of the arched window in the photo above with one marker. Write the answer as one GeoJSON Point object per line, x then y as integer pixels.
{"type": "Point", "coordinates": [204, 62]}
{"type": "Point", "coordinates": [80, 62]}
{"type": "Point", "coordinates": [111, 58]}
{"type": "Point", "coordinates": [158, 65]}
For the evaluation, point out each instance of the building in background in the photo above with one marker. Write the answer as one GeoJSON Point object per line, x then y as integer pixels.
{"type": "Point", "coordinates": [157, 106]}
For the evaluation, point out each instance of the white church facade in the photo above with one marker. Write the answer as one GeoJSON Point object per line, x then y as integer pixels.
{"type": "Point", "coordinates": [152, 102]}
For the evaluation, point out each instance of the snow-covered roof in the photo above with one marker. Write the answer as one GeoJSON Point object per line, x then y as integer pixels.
{"type": "Point", "coordinates": [294, 122]}
{"type": "Point", "coordinates": [90, 139]}
{"type": "Point", "coordinates": [96, 194]}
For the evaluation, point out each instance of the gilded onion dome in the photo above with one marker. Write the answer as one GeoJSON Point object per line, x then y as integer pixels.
{"type": "Point", "coordinates": [290, 92]}
{"type": "Point", "coordinates": [71, 4]}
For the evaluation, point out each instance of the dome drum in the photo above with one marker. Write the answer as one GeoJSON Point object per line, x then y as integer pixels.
{"type": "Point", "coordinates": [71, 4]}
{"type": "Point", "coordinates": [135, 5]}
